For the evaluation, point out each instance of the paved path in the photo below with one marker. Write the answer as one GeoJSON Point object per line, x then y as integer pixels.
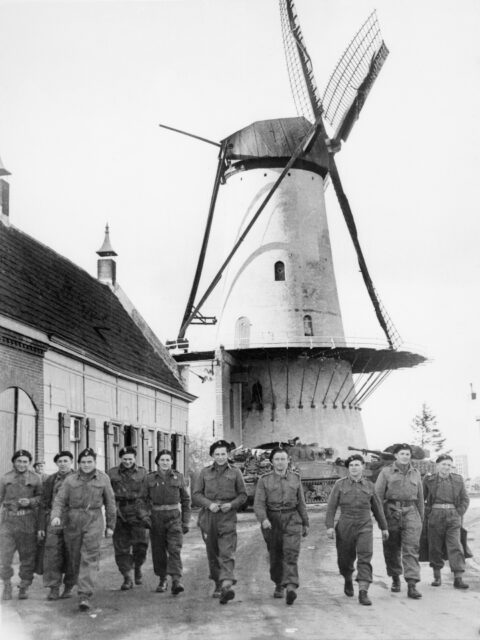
{"type": "Point", "coordinates": [321, 611]}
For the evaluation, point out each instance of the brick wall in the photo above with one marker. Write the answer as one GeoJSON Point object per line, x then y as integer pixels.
{"type": "Point", "coordinates": [22, 366]}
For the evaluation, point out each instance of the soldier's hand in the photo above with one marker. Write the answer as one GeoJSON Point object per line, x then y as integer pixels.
{"type": "Point", "coordinates": [225, 507]}
{"type": "Point", "coordinates": [185, 529]}
{"type": "Point", "coordinates": [266, 524]}
{"type": "Point", "coordinates": [55, 522]}
{"type": "Point", "coordinates": [214, 507]}
{"type": "Point", "coordinates": [108, 532]}
{"type": "Point", "coordinates": [304, 532]}
{"type": "Point", "coordinates": [385, 535]}
{"type": "Point", "coordinates": [24, 502]}
{"type": "Point", "coordinates": [331, 533]}
{"type": "Point", "coordinates": [40, 535]}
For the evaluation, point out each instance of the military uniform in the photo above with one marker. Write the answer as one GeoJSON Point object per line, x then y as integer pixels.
{"type": "Point", "coordinates": [130, 538]}
{"type": "Point", "coordinates": [354, 530]}
{"type": "Point", "coordinates": [56, 561]}
{"type": "Point", "coordinates": [279, 498]}
{"type": "Point", "coordinates": [18, 529]}
{"type": "Point", "coordinates": [80, 502]}
{"type": "Point", "coordinates": [400, 492]}
{"type": "Point", "coordinates": [169, 503]}
{"type": "Point", "coordinates": [446, 501]}
{"type": "Point", "coordinates": [220, 484]}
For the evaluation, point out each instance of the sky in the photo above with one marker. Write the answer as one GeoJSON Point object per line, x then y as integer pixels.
{"type": "Point", "coordinates": [84, 86]}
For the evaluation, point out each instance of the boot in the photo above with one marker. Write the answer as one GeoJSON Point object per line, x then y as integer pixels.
{"type": "Point", "coordinates": [138, 575]}
{"type": "Point", "coordinates": [67, 592]}
{"type": "Point", "coordinates": [7, 590]}
{"type": "Point", "coordinates": [84, 604]}
{"type": "Point", "coordinates": [162, 586]}
{"type": "Point", "coordinates": [226, 592]}
{"type": "Point", "coordinates": [458, 583]}
{"type": "Point", "coordinates": [217, 591]}
{"type": "Point", "coordinates": [127, 582]}
{"type": "Point", "coordinates": [348, 588]}
{"type": "Point", "coordinates": [437, 578]}
{"type": "Point", "coordinates": [395, 588]}
{"type": "Point", "coordinates": [22, 592]}
{"type": "Point", "coordinates": [279, 591]}
{"type": "Point", "coordinates": [291, 595]}
{"type": "Point", "coordinates": [412, 590]}
{"type": "Point", "coordinates": [54, 593]}
{"type": "Point", "coordinates": [177, 587]}
{"type": "Point", "coordinates": [363, 597]}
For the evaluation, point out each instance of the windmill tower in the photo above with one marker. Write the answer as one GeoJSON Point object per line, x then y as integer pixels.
{"type": "Point", "coordinates": [282, 365]}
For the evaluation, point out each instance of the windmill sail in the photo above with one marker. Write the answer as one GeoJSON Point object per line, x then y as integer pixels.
{"type": "Point", "coordinates": [353, 77]}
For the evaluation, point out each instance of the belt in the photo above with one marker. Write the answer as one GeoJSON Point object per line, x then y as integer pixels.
{"type": "Point", "coordinates": [126, 500]}
{"type": "Point", "coordinates": [289, 510]}
{"type": "Point", "coordinates": [20, 512]}
{"type": "Point", "coordinates": [443, 505]}
{"type": "Point", "coordinates": [402, 503]}
{"type": "Point", "coordinates": [165, 507]}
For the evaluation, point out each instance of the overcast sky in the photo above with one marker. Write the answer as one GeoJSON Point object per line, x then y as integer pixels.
{"type": "Point", "coordinates": [84, 85]}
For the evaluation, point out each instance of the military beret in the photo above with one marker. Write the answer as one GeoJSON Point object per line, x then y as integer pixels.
{"type": "Point", "coordinates": [163, 452]}
{"type": "Point", "coordinates": [401, 446]}
{"type": "Point", "coordinates": [442, 457]}
{"type": "Point", "coordinates": [87, 452]}
{"type": "Point", "coordinates": [22, 452]}
{"type": "Point", "coordinates": [276, 450]}
{"type": "Point", "coordinates": [126, 450]}
{"type": "Point", "coordinates": [355, 456]}
{"type": "Point", "coordinates": [218, 445]}
{"type": "Point", "coordinates": [63, 454]}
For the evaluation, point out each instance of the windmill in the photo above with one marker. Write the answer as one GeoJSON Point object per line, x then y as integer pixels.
{"type": "Point", "coordinates": [283, 362]}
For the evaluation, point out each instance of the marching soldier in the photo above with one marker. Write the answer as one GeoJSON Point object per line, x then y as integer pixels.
{"type": "Point", "coordinates": [399, 488]}
{"type": "Point", "coordinates": [130, 539]}
{"type": "Point", "coordinates": [220, 491]}
{"type": "Point", "coordinates": [446, 502]}
{"type": "Point", "coordinates": [281, 510]}
{"type": "Point", "coordinates": [169, 502]}
{"type": "Point", "coordinates": [80, 501]}
{"type": "Point", "coordinates": [20, 496]}
{"type": "Point", "coordinates": [56, 561]}
{"type": "Point", "coordinates": [355, 495]}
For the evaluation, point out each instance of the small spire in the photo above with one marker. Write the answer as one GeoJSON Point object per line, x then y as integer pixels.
{"type": "Point", "coordinates": [106, 249]}
{"type": "Point", "coordinates": [3, 171]}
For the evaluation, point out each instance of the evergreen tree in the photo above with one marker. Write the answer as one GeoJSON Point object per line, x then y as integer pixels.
{"type": "Point", "coordinates": [426, 433]}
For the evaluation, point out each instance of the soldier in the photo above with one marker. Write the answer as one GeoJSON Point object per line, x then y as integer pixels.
{"type": "Point", "coordinates": [355, 495]}
{"type": "Point", "coordinates": [20, 495]}
{"type": "Point", "coordinates": [399, 488]}
{"type": "Point", "coordinates": [446, 502]}
{"type": "Point", "coordinates": [130, 539]}
{"type": "Point", "coordinates": [39, 467]}
{"type": "Point", "coordinates": [80, 501]}
{"type": "Point", "coordinates": [220, 491]}
{"type": "Point", "coordinates": [56, 561]}
{"type": "Point", "coordinates": [281, 510]}
{"type": "Point", "coordinates": [169, 502]}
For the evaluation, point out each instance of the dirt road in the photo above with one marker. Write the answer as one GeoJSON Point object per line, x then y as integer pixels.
{"type": "Point", "coordinates": [321, 611]}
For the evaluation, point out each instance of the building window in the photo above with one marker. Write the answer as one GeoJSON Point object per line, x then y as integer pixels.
{"type": "Point", "coordinates": [18, 425]}
{"type": "Point", "coordinates": [114, 438]}
{"type": "Point", "coordinates": [279, 270]}
{"type": "Point", "coordinates": [307, 326]}
{"type": "Point", "coordinates": [242, 333]}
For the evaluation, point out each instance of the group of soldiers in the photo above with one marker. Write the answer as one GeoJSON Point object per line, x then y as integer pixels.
{"type": "Point", "coordinates": [63, 511]}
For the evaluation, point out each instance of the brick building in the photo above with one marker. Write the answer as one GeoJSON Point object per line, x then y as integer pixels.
{"type": "Point", "coordinates": [78, 364]}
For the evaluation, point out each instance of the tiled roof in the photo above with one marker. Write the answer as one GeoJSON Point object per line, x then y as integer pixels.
{"type": "Point", "coordinates": [44, 290]}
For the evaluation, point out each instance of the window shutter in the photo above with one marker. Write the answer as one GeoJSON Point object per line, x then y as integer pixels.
{"type": "Point", "coordinates": [186, 459]}
{"type": "Point", "coordinates": [83, 435]}
{"type": "Point", "coordinates": [64, 431]}
{"type": "Point", "coordinates": [91, 428]}
{"type": "Point", "coordinates": [109, 455]}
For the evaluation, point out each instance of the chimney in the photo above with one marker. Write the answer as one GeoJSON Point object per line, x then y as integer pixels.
{"type": "Point", "coordinates": [106, 265]}
{"type": "Point", "coordinates": [4, 193]}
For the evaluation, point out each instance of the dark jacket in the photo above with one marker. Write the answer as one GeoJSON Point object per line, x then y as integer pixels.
{"type": "Point", "coordinates": [130, 489]}
{"type": "Point", "coordinates": [49, 490]}
{"type": "Point", "coordinates": [461, 499]}
{"type": "Point", "coordinates": [169, 489]}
